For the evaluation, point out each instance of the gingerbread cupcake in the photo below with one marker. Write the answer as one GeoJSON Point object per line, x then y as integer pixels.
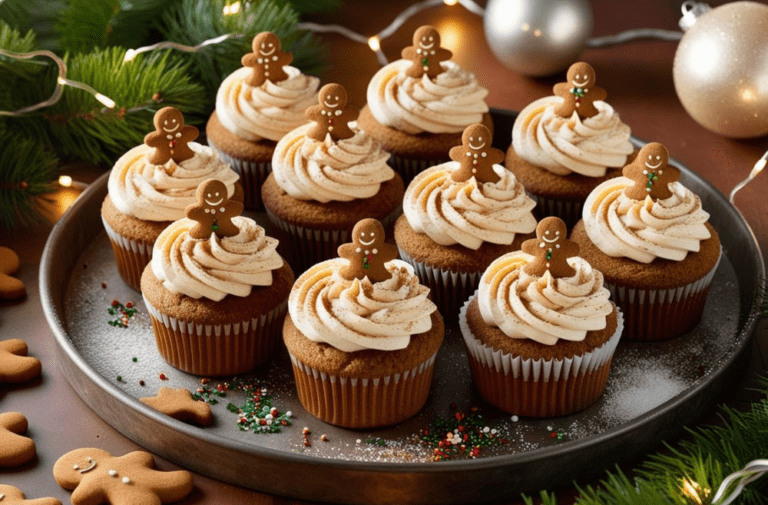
{"type": "Point", "coordinates": [255, 107]}
{"type": "Point", "coordinates": [152, 184]}
{"type": "Point", "coordinates": [461, 215]}
{"type": "Point", "coordinates": [541, 332]}
{"type": "Point", "coordinates": [362, 335]}
{"type": "Point", "coordinates": [563, 146]}
{"type": "Point", "coordinates": [327, 176]}
{"type": "Point", "coordinates": [650, 237]}
{"type": "Point", "coordinates": [418, 106]}
{"type": "Point", "coordinates": [216, 289]}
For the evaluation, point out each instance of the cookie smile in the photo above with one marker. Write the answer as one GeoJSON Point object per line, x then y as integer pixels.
{"type": "Point", "coordinates": [214, 204]}
{"type": "Point", "coordinates": [93, 465]}
{"type": "Point", "coordinates": [172, 129]}
{"type": "Point", "coordinates": [657, 165]}
{"type": "Point", "coordinates": [425, 46]}
{"type": "Point", "coordinates": [367, 243]}
{"type": "Point", "coordinates": [476, 148]}
{"type": "Point", "coordinates": [263, 53]}
{"type": "Point", "coordinates": [329, 105]}
{"type": "Point", "coordinates": [580, 84]}
{"type": "Point", "coordinates": [550, 241]}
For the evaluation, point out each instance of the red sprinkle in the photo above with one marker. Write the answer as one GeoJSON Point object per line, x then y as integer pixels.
{"type": "Point", "coordinates": [129, 305]}
{"type": "Point", "coordinates": [553, 434]}
{"type": "Point", "coordinates": [141, 383]}
{"type": "Point", "coordinates": [163, 377]}
{"type": "Point", "coordinates": [115, 303]}
{"type": "Point", "coordinates": [204, 380]}
{"type": "Point", "coordinates": [104, 285]}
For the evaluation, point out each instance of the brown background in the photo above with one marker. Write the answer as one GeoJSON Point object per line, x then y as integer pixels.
{"type": "Point", "coordinates": [638, 77]}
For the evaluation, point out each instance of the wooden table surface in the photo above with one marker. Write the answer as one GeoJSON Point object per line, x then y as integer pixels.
{"type": "Point", "coordinates": [638, 77]}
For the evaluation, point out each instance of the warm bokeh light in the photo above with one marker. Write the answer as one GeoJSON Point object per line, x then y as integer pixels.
{"type": "Point", "coordinates": [129, 55]}
{"type": "Point", "coordinates": [451, 2]}
{"type": "Point", "coordinates": [232, 9]}
{"type": "Point", "coordinates": [105, 100]}
{"type": "Point", "coordinates": [693, 491]}
{"type": "Point", "coordinates": [374, 43]}
{"type": "Point", "coordinates": [65, 180]}
{"type": "Point", "coordinates": [451, 34]}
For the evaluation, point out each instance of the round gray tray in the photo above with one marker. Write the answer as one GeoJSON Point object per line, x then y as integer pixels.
{"type": "Point", "coordinates": [653, 391]}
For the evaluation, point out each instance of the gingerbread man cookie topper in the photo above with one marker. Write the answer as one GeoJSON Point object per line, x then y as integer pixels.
{"type": "Point", "coordinates": [171, 137]}
{"type": "Point", "coordinates": [15, 365]}
{"type": "Point", "coordinates": [475, 155]}
{"type": "Point", "coordinates": [266, 60]}
{"type": "Point", "coordinates": [651, 174]}
{"type": "Point", "coordinates": [96, 476]}
{"type": "Point", "coordinates": [580, 92]}
{"type": "Point", "coordinates": [332, 114]}
{"type": "Point", "coordinates": [551, 249]}
{"type": "Point", "coordinates": [425, 53]}
{"type": "Point", "coordinates": [213, 211]}
{"type": "Point", "coordinates": [179, 404]}
{"type": "Point", "coordinates": [11, 495]}
{"type": "Point", "coordinates": [11, 288]}
{"type": "Point", "coordinates": [15, 449]}
{"type": "Point", "coordinates": [367, 253]}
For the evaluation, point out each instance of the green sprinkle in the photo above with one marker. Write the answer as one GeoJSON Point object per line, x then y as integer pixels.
{"type": "Point", "coordinates": [134, 359]}
{"type": "Point", "coordinates": [119, 378]}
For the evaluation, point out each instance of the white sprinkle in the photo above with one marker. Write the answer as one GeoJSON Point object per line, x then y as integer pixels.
{"type": "Point", "coordinates": [515, 419]}
{"type": "Point", "coordinates": [358, 441]}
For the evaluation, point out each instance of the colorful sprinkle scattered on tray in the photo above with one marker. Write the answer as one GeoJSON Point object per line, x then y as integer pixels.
{"type": "Point", "coordinates": [463, 435]}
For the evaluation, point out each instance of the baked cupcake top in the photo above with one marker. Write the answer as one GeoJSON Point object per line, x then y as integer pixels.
{"type": "Point", "coordinates": [544, 292]}
{"type": "Point", "coordinates": [423, 92]}
{"type": "Point", "coordinates": [646, 214]}
{"type": "Point", "coordinates": [157, 180]}
{"type": "Point", "coordinates": [575, 131]}
{"type": "Point", "coordinates": [471, 199]}
{"type": "Point", "coordinates": [330, 158]}
{"type": "Point", "coordinates": [214, 252]}
{"type": "Point", "coordinates": [366, 299]}
{"type": "Point", "coordinates": [266, 98]}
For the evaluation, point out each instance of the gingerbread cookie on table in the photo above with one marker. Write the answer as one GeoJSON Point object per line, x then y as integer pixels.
{"type": "Point", "coordinates": [425, 53]}
{"type": "Point", "coordinates": [332, 114]}
{"type": "Point", "coordinates": [367, 253]}
{"type": "Point", "coordinates": [267, 60]}
{"type": "Point", "coordinates": [10, 495]}
{"type": "Point", "coordinates": [10, 287]}
{"type": "Point", "coordinates": [15, 365]}
{"type": "Point", "coordinates": [476, 156]}
{"type": "Point", "coordinates": [580, 92]}
{"type": "Point", "coordinates": [171, 137]}
{"type": "Point", "coordinates": [651, 173]}
{"type": "Point", "coordinates": [15, 449]}
{"type": "Point", "coordinates": [213, 211]}
{"type": "Point", "coordinates": [179, 404]}
{"type": "Point", "coordinates": [551, 249]}
{"type": "Point", "coordinates": [96, 477]}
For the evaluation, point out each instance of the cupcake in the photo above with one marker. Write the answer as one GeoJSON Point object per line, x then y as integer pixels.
{"type": "Point", "coordinates": [563, 146]}
{"type": "Point", "coordinates": [327, 176]}
{"type": "Point", "coordinates": [650, 237]}
{"type": "Point", "coordinates": [461, 215]}
{"type": "Point", "coordinates": [418, 106]}
{"type": "Point", "coordinates": [216, 289]}
{"type": "Point", "coordinates": [255, 107]}
{"type": "Point", "coordinates": [151, 185]}
{"type": "Point", "coordinates": [541, 332]}
{"type": "Point", "coordinates": [362, 335]}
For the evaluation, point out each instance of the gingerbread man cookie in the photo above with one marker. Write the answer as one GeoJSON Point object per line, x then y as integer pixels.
{"type": "Point", "coordinates": [580, 92]}
{"type": "Point", "coordinates": [425, 53]}
{"type": "Point", "coordinates": [367, 253]}
{"type": "Point", "coordinates": [476, 156]}
{"type": "Point", "coordinates": [650, 173]}
{"type": "Point", "coordinates": [551, 249]}
{"type": "Point", "coordinates": [332, 115]}
{"type": "Point", "coordinates": [98, 477]}
{"type": "Point", "coordinates": [10, 287]}
{"type": "Point", "coordinates": [15, 365]}
{"type": "Point", "coordinates": [171, 137]}
{"type": "Point", "coordinates": [266, 60]}
{"type": "Point", "coordinates": [213, 211]}
{"type": "Point", "coordinates": [10, 495]}
{"type": "Point", "coordinates": [179, 404]}
{"type": "Point", "coordinates": [15, 449]}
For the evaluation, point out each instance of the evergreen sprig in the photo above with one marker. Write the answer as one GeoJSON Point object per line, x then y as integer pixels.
{"type": "Point", "coordinates": [84, 24]}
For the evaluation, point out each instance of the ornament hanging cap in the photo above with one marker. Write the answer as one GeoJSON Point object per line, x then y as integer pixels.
{"type": "Point", "coordinates": [692, 11]}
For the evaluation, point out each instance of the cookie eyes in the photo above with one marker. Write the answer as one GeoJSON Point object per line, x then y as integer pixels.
{"type": "Point", "coordinates": [650, 157]}
{"type": "Point", "coordinates": [557, 233]}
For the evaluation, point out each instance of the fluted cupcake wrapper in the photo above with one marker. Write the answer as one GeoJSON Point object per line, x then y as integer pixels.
{"type": "Point", "coordinates": [221, 349]}
{"type": "Point", "coordinates": [252, 177]}
{"type": "Point", "coordinates": [361, 402]}
{"type": "Point", "coordinates": [538, 388]}
{"type": "Point", "coordinates": [131, 256]}
{"type": "Point", "coordinates": [661, 314]}
{"type": "Point", "coordinates": [567, 210]}
{"type": "Point", "coordinates": [409, 168]}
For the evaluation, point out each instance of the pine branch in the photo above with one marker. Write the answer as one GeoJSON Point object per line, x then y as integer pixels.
{"type": "Point", "coordinates": [12, 40]}
{"type": "Point", "coordinates": [311, 6]}
{"type": "Point", "coordinates": [14, 13]}
{"type": "Point", "coordinates": [137, 23]}
{"type": "Point", "coordinates": [84, 24]}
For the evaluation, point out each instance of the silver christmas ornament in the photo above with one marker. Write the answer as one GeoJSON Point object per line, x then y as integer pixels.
{"type": "Point", "coordinates": [537, 37]}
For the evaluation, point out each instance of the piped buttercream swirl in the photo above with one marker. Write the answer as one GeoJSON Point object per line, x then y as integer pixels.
{"type": "Point", "coordinates": [356, 315]}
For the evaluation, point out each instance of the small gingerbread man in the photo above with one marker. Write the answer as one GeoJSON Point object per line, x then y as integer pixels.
{"type": "Point", "coordinates": [332, 114]}
{"type": "Point", "coordinates": [213, 211]}
{"type": "Point", "coordinates": [11, 495]}
{"type": "Point", "coordinates": [15, 365]}
{"type": "Point", "coordinates": [179, 404]}
{"type": "Point", "coordinates": [580, 92]}
{"type": "Point", "coordinates": [266, 60]}
{"type": "Point", "coordinates": [15, 449]}
{"type": "Point", "coordinates": [650, 173]}
{"type": "Point", "coordinates": [98, 477]}
{"type": "Point", "coordinates": [551, 249]}
{"type": "Point", "coordinates": [11, 288]}
{"type": "Point", "coordinates": [476, 156]}
{"type": "Point", "coordinates": [426, 53]}
{"type": "Point", "coordinates": [367, 253]}
{"type": "Point", "coordinates": [171, 137]}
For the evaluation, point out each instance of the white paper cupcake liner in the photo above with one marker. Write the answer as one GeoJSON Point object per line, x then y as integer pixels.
{"type": "Point", "coordinates": [131, 256]}
{"type": "Point", "coordinates": [252, 177]}
{"type": "Point", "coordinates": [408, 168]}
{"type": "Point", "coordinates": [354, 402]}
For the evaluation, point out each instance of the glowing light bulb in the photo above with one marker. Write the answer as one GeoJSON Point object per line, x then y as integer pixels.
{"type": "Point", "coordinates": [61, 81]}
{"type": "Point", "coordinates": [374, 43]}
{"type": "Point", "coordinates": [129, 55]}
{"type": "Point", "coordinates": [105, 100]}
{"type": "Point", "coordinates": [232, 9]}
{"type": "Point", "coordinates": [65, 181]}
{"type": "Point", "coordinates": [451, 2]}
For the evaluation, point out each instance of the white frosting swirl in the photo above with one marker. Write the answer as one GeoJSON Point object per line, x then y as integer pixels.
{"type": "Point", "coordinates": [450, 103]}
{"type": "Point", "coordinates": [162, 192]}
{"type": "Point", "coordinates": [356, 315]}
{"type": "Point", "coordinates": [215, 267]}
{"type": "Point", "coordinates": [468, 213]}
{"type": "Point", "coordinates": [565, 145]}
{"type": "Point", "coordinates": [342, 170]}
{"type": "Point", "coordinates": [268, 111]}
{"type": "Point", "coordinates": [643, 229]}
{"type": "Point", "coordinates": [543, 308]}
